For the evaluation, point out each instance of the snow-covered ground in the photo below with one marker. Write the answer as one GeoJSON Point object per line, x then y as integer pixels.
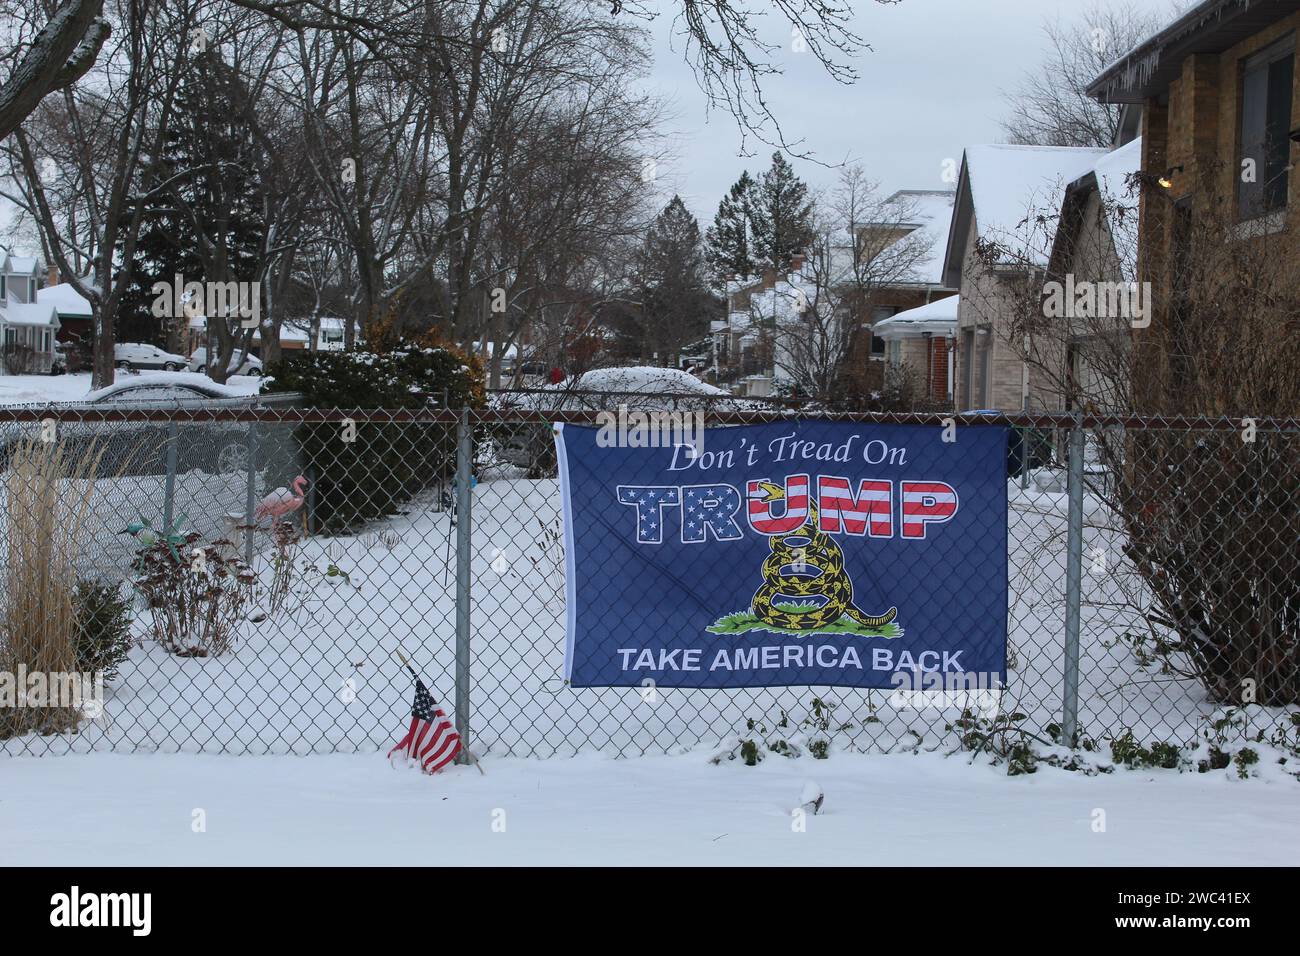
{"type": "Point", "coordinates": [113, 809]}
{"type": "Point", "coordinates": [321, 676]}
{"type": "Point", "coordinates": [40, 389]}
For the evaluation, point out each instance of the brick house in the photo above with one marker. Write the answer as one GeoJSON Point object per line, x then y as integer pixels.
{"type": "Point", "coordinates": [922, 340]}
{"type": "Point", "coordinates": [929, 211]}
{"type": "Point", "coordinates": [999, 190]}
{"type": "Point", "coordinates": [1096, 242]}
{"type": "Point", "coordinates": [1220, 100]}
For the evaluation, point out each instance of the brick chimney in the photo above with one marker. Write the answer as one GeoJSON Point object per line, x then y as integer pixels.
{"type": "Point", "coordinates": [796, 262]}
{"type": "Point", "coordinates": [52, 275]}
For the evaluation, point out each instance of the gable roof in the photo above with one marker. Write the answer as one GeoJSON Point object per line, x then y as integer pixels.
{"type": "Point", "coordinates": [29, 313]}
{"type": "Point", "coordinates": [933, 215]}
{"type": "Point", "coordinates": [67, 300]}
{"type": "Point", "coordinates": [1109, 180]}
{"type": "Point", "coordinates": [999, 187]}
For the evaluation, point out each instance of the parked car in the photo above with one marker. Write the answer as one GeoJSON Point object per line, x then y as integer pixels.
{"type": "Point", "coordinates": [157, 388]}
{"type": "Point", "coordinates": [140, 355]}
{"type": "Point", "coordinates": [252, 365]}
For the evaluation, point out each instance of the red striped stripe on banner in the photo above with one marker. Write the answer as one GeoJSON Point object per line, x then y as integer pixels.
{"type": "Point", "coordinates": [871, 510]}
{"type": "Point", "coordinates": [795, 503]}
{"type": "Point", "coordinates": [926, 502]}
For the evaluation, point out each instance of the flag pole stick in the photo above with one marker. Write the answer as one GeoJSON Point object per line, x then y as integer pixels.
{"type": "Point", "coordinates": [469, 753]}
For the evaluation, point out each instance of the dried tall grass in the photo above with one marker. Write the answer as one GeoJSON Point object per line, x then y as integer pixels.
{"type": "Point", "coordinates": [48, 488]}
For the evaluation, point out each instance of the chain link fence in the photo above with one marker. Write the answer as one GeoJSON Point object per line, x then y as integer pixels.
{"type": "Point", "coordinates": [242, 578]}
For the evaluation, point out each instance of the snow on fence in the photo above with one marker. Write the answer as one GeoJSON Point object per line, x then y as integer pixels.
{"type": "Point", "coordinates": [1154, 581]}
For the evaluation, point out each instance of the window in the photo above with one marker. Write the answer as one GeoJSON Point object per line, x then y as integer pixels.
{"type": "Point", "coordinates": [2, 287]}
{"type": "Point", "coordinates": [11, 336]}
{"type": "Point", "coordinates": [1265, 128]}
{"type": "Point", "coordinates": [879, 314]}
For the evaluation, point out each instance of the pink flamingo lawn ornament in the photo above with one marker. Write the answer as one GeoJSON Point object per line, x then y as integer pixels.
{"type": "Point", "coordinates": [281, 502]}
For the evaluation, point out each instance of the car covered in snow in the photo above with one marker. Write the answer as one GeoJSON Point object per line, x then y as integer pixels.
{"type": "Point", "coordinates": [134, 356]}
{"type": "Point", "coordinates": [136, 448]}
{"type": "Point", "coordinates": [646, 388]}
{"type": "Point", "coordinates": [178, 388]}
{"type": "Point", "coordinates": [251, 364]}
{"type": "Point", "coordinates": [638, 388]}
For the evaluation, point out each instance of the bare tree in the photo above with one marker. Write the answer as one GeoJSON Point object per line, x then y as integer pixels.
{"type": "Point", "coordinates": [78, 162]}
{"type": "Point", "coordinates": [57, 55]}
{"type": "Point", "coordinates": [867, 243]}
{"type": "Point", "coordinates": [1209, 584]}
{"type": "Point", "coordinates": [1050, 106]}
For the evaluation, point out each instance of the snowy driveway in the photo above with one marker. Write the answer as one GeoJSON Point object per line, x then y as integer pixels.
{"type": "Point", "coordinates": [108, 809]}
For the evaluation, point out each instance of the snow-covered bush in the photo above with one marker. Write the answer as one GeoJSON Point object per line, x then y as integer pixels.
{"type": "Point", "coordinates": [196, 594]}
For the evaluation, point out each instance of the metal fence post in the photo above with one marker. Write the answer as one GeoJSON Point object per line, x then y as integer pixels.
{"type": "Point", "coordinates": [464, 499]}
{"type": "Point", "coordinates": [250, 501]}
{"type": "Point", "coordinates": [169, 489]}
{"type": "Point", "coordinates": [1073, 586]}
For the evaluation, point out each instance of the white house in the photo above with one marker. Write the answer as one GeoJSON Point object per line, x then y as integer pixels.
{"type": "Point", "coordinates": [295, 334]}
{"type": "Point", "coordinates": [28, 326]}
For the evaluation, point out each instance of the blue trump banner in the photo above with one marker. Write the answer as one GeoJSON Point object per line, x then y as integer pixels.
{"type": "Point", "coordinates": [799, 552]}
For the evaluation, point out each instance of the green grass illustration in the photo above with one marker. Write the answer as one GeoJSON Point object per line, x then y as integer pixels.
{"type": "Point", "coordinates": [741, 622]}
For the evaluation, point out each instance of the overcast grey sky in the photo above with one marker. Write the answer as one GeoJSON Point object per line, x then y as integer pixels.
{"type": "Point", "coordinates": [932, 85]}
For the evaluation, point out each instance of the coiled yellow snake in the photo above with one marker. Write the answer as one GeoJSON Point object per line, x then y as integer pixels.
{"type": "Point", "coordinates": [832, 583]}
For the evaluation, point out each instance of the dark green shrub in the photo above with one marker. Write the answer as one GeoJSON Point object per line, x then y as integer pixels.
{"type": "Point", "coordinates": [388, 462]}
{"type": "Point", "coordinates": [103, 632]}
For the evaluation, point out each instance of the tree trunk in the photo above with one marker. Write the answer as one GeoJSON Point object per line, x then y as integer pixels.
{"type": "Point", "coordinates": [102, 371]}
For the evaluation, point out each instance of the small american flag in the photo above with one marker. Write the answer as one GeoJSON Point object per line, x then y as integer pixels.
{"type": "Point", "coordinates": [431, 739]}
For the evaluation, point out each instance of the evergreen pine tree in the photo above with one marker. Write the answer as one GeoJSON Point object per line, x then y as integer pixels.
{"type": "Point", "coordinates": [728, 243]}
{"type": "Point", "coordinates": [670, 275]}
{"type": "Point", "coordinates": [782, 215]}
{"type": "Point", "coordinates": [203, 213]}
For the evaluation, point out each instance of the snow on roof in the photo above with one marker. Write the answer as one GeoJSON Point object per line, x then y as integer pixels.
{"type": "Point", "coordinates": [784, 302]}
{"type": "Point", "coordinates": [938, 318]}
{"type": "Point", "coordinates": [1113, 171]}
{"type": "Point", "coordinates": [23, 264]}
{"type": "Point", "coordinates": [29, 313]}
{"type": "Point", "coordinates": [64, 298]}
{"type": "Point", "coordinates": [1009, 183]}
{"type": "Point", "coordinates": [930, 210]}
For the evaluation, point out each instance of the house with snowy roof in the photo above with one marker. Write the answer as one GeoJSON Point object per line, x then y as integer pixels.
{"type": "Point", "coordinates": [783, 328]}
{"type": "Point", "coordinates": [75, 315]}
{"type": "Point", "coordinates": [1001, 237]}
{"type": "Point", "coordinates": [743, 343]}
{"type": "Point", "coordinates": [28, 327]}
{"type": "Point", "coordinates": [1093, 269]}
{"type": "Point", "coordinates": [1219, 98]}
{"type": "Point", "coordinates": [917, 246]}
